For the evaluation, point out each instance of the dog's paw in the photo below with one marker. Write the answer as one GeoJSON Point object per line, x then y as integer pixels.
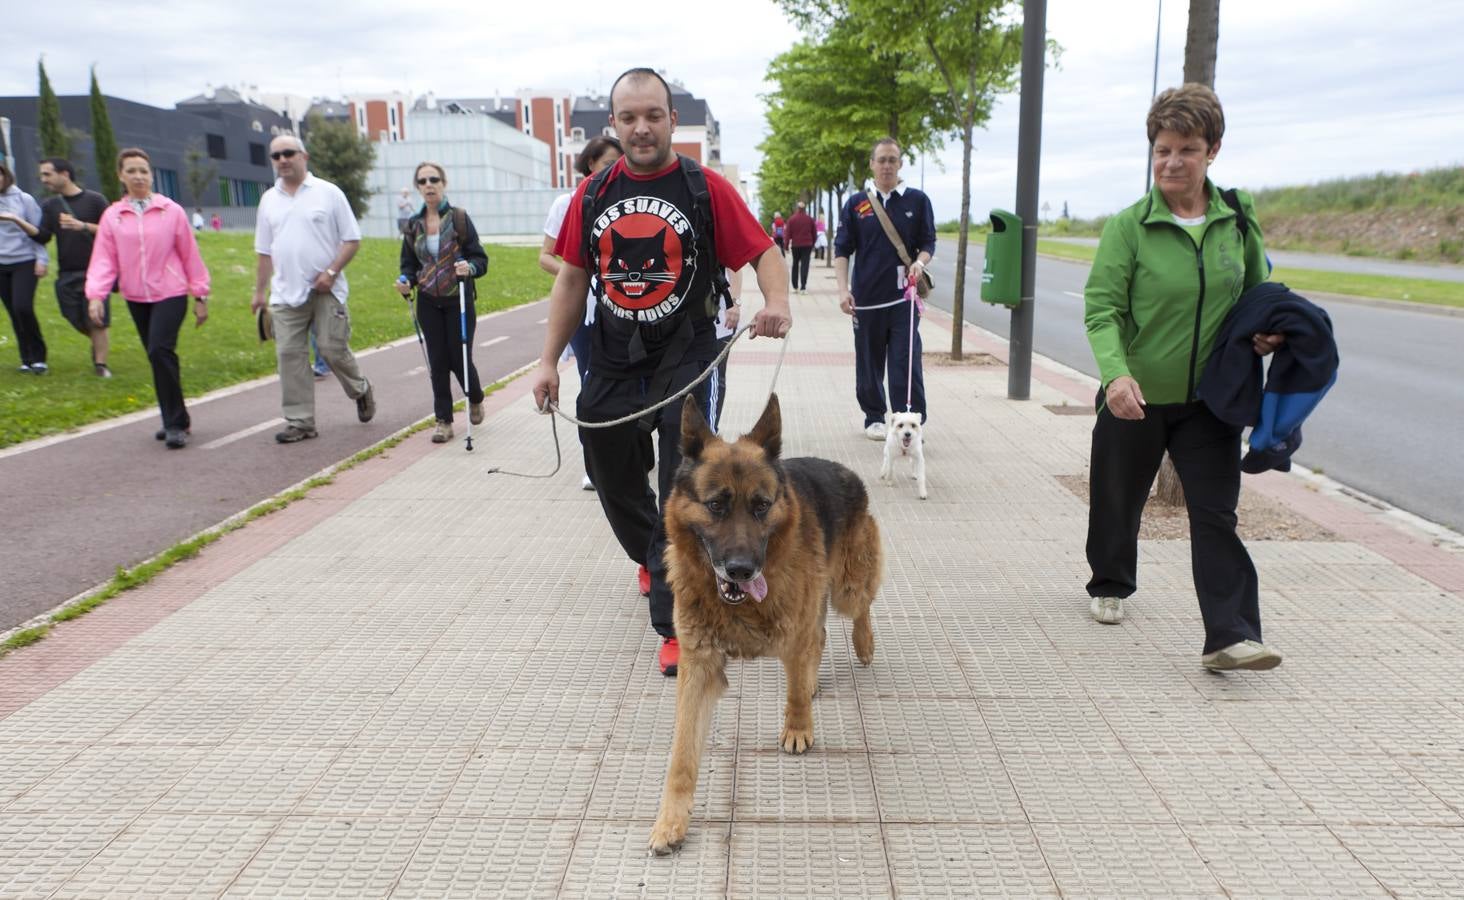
{"type": "Point", "coordinates": [666, 837]}
{"type": "Point", "coordinates": [796, 740]}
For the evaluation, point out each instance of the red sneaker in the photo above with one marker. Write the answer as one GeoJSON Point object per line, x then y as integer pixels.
{"type": "Point", "coordinates": [643, 575]}
{"type": "Point", "coordinates": [670, 656]}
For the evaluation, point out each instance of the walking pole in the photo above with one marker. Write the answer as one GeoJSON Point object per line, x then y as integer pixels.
{"type": "Point", "coordinates": [463, 328]}
{"type": "Point", "coordinates": [412, 308]}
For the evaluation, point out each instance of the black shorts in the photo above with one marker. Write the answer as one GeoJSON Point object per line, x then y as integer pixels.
{"type": "Point", "coordinates": [71, 297]}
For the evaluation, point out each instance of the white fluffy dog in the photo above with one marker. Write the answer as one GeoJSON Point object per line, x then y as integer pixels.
{"type": "Point", "coordinates": [903, 439]}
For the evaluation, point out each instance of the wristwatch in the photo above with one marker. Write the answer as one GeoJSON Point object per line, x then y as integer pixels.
{"type": "Point", "coordinates": [331, 272]}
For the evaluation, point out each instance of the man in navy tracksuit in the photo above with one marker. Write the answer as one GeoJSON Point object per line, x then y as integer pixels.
{"type": "Point", "coordinates": [886, 329]}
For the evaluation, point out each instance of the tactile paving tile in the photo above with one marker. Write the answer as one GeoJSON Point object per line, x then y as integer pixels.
{"type": "Point", "coordinates": [186, 718]}
{"type": "Point", "coordinates": [1106, 676]}
{"type": "Point", "coordinates": [1223, 789]}
{"type": "Point", "coordinates": [773, 786]}
{"type": "Point", "coordinates": [71, 717]}
{"type": "Point", "coordinates": [353, 669]}
{"type": "Point", "coordinates": [238, 780]}
{"type": "Point", "coordinates": [22, 765]}
{"type": "Point", "coordinates": [1286, 729]}
{"type": "Point", "coordinates": [1086, 788]}
{"type": "Point", "coordinates": [916, 726]}
{"type": "Point", "coordinates": [323, 857]}
{"type": "Point", "coordinates": [543, 784]}
{"type": "Point", "coordinates": [1362, 790]}
{"type": "Point", "coordinates": [528, 721]}
{"type": "Point", "coordinates": [261, 672]}
{"type": "Point", "coordinates": [1442, 775]}
{"type": "Point", "coordinates": [311, 719]}
{"type": "Point", "coordinates": [958, 861]}
{"type": "Point", "coordinates": [440, 671]}
{"type": "Point", "coordinates": [1410, 862]}
{"type": "Point", "coordinates": [648, 722]}
{"type": "Point", "coordinates": [484, 857]}
{"type": "Point", "coordinates": [1048, 726]}
{"type": "Point", "coordinates": [1125, 861]}
{"type": "Point", "coordinates": [1310, 638]}
{"type": "Point", "coordinates": [1404, 728]}
{"type": "Point", "coordinates": [610, 860]}
{"type": "Point", "coordinates": [109, 779]}
{"type": "Point", "coordinates": [172, 856]}
{"type": "Point", "coordinates": [1282, 861]}
{"type": "Point", "coordinates": [40, 851]}
{"type": "Point", "coordinates": [816, 862]}
{"type": "Point", "coordinates": [1019, 675]}
{"type": "Point", "coordinates": [385, 781]}
{"type": "Point", "coordinates": [1164, 725]}
{"type": "Point", "coordinates": [630, 783]}
{"type": "Point", "coordinates": [484, 632]}
{"type": "Point", "coordinates": [952, 785]}
{"type": "Point", "coordinates": [457, 717]}
{"type": "Point", "coordinates": [836, 724]}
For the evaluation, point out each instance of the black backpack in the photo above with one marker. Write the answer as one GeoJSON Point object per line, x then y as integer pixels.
{"type": "Point", "coordinates": [702, 224]}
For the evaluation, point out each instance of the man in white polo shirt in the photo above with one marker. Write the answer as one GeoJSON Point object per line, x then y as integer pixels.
{"type": "Point", "coordinates": [305, 235]}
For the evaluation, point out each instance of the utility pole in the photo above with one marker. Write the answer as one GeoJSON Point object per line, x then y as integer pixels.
{"type": "Point", "coordinates": [1154, 92]}
{"type": "Point", "coordinates": [1029, 153]}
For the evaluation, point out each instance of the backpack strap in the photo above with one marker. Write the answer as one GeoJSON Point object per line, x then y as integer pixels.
{"type": "Point", "coordinates": [704, 225]}
{"type": "Point", "coordinates": [587, 221]}
{"type": "Point", "coordinates": [1232, 200]}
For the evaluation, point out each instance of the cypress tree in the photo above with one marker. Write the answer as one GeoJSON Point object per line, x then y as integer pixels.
{"type": "Point", "coordinates": [54, 140]}
{"type": "Point", "coordinates": [104, 142]}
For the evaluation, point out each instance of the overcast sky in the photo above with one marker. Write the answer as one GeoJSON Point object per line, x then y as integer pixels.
{"type": "Point", "coordinates": [1312, 89]}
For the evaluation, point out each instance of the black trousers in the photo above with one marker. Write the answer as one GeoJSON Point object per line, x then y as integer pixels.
{"type": "Point", "coordinates": [18, 292]}
{"type": "Point", "coordinates": [619, 461]}
{"type": "Point", "coordinates": [1206, 454]}
{"type": "Point", "coordinates": [442, 332]}
{"type": "Point", "coordinates": [157, 325]}
{"type": "Point", "coordinates": [883, 341]}
{"type": "Point", "coordinates": [801, 256]}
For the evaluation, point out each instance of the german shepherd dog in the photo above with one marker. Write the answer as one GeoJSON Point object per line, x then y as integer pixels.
{"type": "Point", "coordinates": [757, 547]}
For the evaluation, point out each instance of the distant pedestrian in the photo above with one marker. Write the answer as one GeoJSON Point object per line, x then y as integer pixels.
{"type": "Point", "coordinates": [599, 152]}
{"type": "Point", "coordinates": [305, 235]}
{"type": "Point", "coordinates": [802, 234]}
{"type": "Point", "coordinates": [216, 222]}
{"type": "Point", "coordinates": [886, 330]}
{"type": "Point", "coordinates": [74, 216]}
{"type": "Point", "coordinates": [197, 218]}
{"type": "Point", "coordinates": [440, 248]}
{"type": "Point", "coordinates": [22, 263]}
{"type": "Point", "coordinates": [779, 235]}
{"type": "Point", "coordinates": [1166, 273]}
{"type": "Point", "coordinates": [405, 206]}
{"type": "Point", "coordinates": [145, 248]}
{"type": "Point", "coordinates": [821, 239]}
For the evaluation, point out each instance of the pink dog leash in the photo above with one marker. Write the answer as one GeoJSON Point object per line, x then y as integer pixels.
{"type": "Point", "coordinates": [912, 296]}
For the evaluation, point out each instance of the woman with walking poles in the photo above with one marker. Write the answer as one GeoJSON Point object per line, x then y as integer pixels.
{"type": "Point", "coordinates": [145, 248]}
{"type": "Point", "coordinates": [441, 257]}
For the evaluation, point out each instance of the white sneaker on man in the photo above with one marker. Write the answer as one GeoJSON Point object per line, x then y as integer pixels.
{"type": "Point", "coordinates": [1107, 610]}
{"type": "Point", "coordinates": [1252, 655]}
{"type": "Point", "coordinates": [875, 431]}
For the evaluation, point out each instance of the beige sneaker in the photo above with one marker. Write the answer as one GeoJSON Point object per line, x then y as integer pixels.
{"type": "Point", "coordinates": [443, 433]}
{"type": "Point", "coordinates": [1107, 610]}
{"type": "Point", "coordinates": [475, 413]}
{"type": "Point", "coordinates": [1251, 655]}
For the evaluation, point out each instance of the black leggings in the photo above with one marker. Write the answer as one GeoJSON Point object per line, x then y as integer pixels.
{"type": "Point", "coordinates": [157, 325]}
{"type": "Point", "coordinates": [800, 267]}
{"type": "Point", "coordinates": [18, 291]}
{"type": "Point", "coordinates": [442, 331]}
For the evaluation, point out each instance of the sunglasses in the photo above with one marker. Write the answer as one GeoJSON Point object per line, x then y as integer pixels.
{"type": "Point", "coordinates": [428, 179]}
{"type": "Point", "coordinates": [283, 154]}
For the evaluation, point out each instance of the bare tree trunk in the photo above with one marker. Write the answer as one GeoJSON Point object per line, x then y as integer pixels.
{"type": "Point", "coordinates": [958, 287]}
{"type": "Point", "coordinates": [1201, 42]}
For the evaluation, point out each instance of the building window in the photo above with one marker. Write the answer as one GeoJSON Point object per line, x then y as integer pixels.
{"type": "Point", "coordinates": [165, 182]}
{"type": "Point", "coordinates": [216, 148]}
{"type": "Point", "coordinates": [257, 154]}
{"type": "Point", "coordinates": [255, 126]}
{"type": "Point", "coordinates": [391, 112]}
{"type": "Point", "coordinates": [224, 193]}
{"type": "Point", "coordinates": [528, 117]}
{"type": "Point", "coordinates": [577, 133]}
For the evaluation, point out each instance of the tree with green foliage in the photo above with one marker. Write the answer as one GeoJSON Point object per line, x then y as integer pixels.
{"type": "Point", "coordinates": [341, 156]}
{"type": "Point", "coordinates": [104, 142]}
{"type": "Point", "coordinates": [200, 173]}
{"type": "Point", "coordinates": [54, 139]}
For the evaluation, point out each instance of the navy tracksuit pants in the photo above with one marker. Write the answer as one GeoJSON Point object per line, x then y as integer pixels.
{"type": "Point", "coordinates": [882, 342]}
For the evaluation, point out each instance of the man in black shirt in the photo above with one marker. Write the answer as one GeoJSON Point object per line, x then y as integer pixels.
{"type": "Point", "coordinates": [72, 216]}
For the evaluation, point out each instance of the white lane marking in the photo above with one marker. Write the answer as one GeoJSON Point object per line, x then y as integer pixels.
{"type": "Point", "coordinates": [241, 434]}
{"type": "Point", "coordinates": [417, 371]}
{"type": "Point", "coordinates": [491, 341]}
{"type": "Point", "coordinates": [1073, 294]}
{"type": "Point", "coordinates": [542, 322]}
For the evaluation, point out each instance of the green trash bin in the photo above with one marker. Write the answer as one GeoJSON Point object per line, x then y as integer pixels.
{"type": "Point", "coordinates": [1001, 276]}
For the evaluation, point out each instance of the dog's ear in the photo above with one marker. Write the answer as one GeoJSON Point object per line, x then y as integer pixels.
{"type": "Point", "coordinates": [768, 432]}
{"type": "Point", "coordinates": [694, 429]}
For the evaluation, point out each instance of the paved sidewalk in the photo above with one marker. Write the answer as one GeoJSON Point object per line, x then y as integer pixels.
{"type": "Point", "coordinates": [427, 681]}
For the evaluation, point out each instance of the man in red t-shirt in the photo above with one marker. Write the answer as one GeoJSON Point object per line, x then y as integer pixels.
{"type": "Point", "coordinates": [654, 330]}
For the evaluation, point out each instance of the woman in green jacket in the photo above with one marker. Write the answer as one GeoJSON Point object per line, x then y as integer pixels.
{"type": "Point", "coordinates": [1167, 271]}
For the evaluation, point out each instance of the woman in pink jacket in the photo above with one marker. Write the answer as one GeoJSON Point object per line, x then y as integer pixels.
{"type": "Point", "coordinates": [145, 248]}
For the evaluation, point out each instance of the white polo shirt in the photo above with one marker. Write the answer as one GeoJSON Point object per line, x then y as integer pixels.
{"type": "Point", "coordinates": [301, 235]}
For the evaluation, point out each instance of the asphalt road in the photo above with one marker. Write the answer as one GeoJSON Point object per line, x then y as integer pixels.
{"type": "Point", "coordinates": [78, 508]}
{"type": "Point", "coordinates": [1390, 427]}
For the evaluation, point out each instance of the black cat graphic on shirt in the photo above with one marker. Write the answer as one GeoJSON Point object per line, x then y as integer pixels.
{"type": "Point", "coordinates": [637, 265]}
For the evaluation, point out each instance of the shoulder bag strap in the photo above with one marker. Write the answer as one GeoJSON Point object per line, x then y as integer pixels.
{"type": "Point", "coordinates": [889, 228]}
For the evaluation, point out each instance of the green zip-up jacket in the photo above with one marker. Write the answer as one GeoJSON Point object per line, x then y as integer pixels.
{"type": "Point", "coordinates": [1156, 297]}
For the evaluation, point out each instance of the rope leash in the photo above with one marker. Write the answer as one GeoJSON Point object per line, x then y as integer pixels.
{"type": "Point", "coordinates": [554, 407]}
{"type": "Point", "coordinates": [912, 296]}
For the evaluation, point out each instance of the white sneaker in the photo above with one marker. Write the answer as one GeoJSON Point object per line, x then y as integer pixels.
{"type": "Point", "coordinates": [1251, 655]}
{"type": "Point", "coordinates": [875, 432]}
{"type": "Point", "coordinates": [1107, 610]}
{"type": "Point", "coordinates": [587, 484]}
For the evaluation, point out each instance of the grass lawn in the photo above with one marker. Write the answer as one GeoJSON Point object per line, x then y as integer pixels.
{"type": "Point", "coordinates": [1384, 287]}
{"type": "Point", "coordinates": [226, 350]}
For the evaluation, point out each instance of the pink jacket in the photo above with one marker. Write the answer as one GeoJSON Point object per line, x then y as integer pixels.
{"type": "Point", "coordinates": [150, 257]}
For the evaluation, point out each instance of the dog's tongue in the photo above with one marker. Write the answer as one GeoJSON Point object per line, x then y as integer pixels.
{"type": "Point", "coordinates": [758, 588]}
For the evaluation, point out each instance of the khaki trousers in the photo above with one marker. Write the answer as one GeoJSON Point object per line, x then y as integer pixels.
{"type": "Point", "coordinates": [292, 347]}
